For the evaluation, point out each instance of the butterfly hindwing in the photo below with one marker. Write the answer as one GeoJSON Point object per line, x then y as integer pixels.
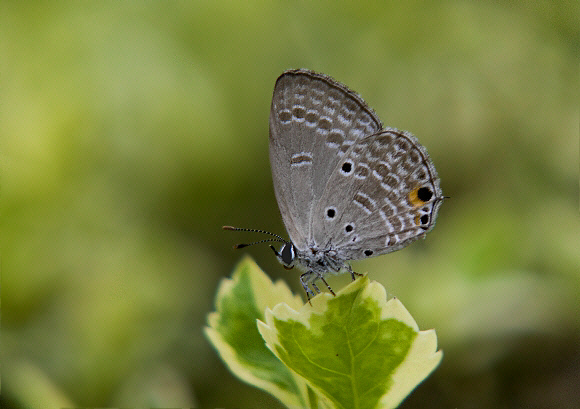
{"type": "Point", "coordinates": [383, 194]}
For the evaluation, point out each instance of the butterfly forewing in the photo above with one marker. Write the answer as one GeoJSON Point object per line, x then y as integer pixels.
{"type": "Point", "coordinates": [314, 121]}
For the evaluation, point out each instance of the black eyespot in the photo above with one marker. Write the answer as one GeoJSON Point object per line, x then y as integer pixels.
{"type": "Point", "coordinates": [348, 228]}
{"type": "Point", "coordinates": [346, 167]}
{"type": "Point", "coordinates": [424, 194]}
{"type": "Point", "coordinates": [331, 213]}
{"type": "Point", "coordinates": [368, 253]}
{"type": "Point", "coordinates": [424, 219]}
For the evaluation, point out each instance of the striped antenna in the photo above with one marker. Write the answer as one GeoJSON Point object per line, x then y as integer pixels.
{"type": "Point", "coordinates": [242, 245]}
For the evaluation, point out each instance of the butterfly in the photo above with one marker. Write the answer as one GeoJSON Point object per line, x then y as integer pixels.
{"type": "Point", "coordinates": [347, 187]}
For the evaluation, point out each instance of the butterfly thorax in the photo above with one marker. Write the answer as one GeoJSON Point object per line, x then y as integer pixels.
{"type": "Point", "coordinates": [312, 259]}
{"type": "Point", "coordinates": [319, 260]}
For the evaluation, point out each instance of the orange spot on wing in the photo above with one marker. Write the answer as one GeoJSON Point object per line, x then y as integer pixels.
{"type": "Point", "coordinates": [414, 198]}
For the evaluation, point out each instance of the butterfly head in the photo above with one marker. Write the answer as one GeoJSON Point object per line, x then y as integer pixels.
{"type": "Point", "coordinates": [286, 255]}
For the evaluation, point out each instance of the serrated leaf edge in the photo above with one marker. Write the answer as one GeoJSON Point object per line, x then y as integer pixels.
{"type": "Point", "coordinates": [422, 355]}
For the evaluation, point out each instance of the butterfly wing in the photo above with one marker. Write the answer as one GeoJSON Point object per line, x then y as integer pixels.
{"type": "Point", "coordinates": [383, 194]}
{"type": "Point", "coordinates": [314, 120]}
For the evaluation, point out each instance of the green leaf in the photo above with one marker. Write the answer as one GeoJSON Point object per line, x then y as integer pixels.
{"type": "Point", "coordinates": [356, 349]}
{"type": "Point", "coordinates": [233, 332]}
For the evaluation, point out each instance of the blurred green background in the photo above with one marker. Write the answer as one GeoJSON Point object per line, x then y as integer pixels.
{"type": "Point", "coordinates": [132, 131]}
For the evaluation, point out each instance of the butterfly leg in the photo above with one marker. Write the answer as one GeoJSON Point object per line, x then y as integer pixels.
{"type": "Point", "coordinates": [316, 290]}
{"type": "Point", "coordinates": [307, 280]}
{"type": "Point", "coordinates": [353, 273]}
{"type": "Point", "coordinates": [304, 280]}
{"type": "Point", "coordinates": [327, 286]}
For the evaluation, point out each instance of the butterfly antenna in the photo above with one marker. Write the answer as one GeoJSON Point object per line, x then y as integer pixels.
{"type": "Point", "coordinates": [242, 245]}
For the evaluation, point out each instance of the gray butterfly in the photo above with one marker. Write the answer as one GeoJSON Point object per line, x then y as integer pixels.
{"type": "Point", "coordinates": [347, 188]}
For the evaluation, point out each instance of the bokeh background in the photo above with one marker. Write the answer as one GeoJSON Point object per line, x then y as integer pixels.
{"type": "Point", "coordinates": [131, 131]}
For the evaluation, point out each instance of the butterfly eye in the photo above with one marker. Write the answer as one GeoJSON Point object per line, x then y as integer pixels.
{"type": "Point", "coordinates": [287, 254]}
